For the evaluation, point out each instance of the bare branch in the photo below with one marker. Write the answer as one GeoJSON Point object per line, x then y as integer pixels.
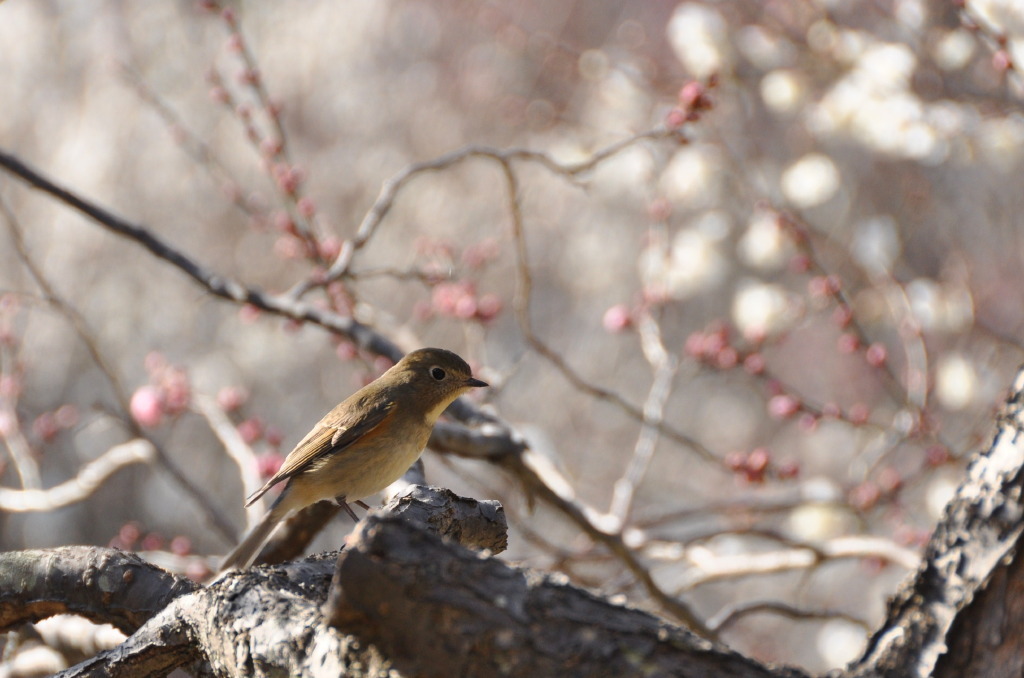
{"type": "Point", "coordinates": [732, 614]}
{"type": "Point", "coordinates": [237, 449]}
{"type": "Point", "coordinates": [665, 367]}
{"type": "Point", "coordinates": [391, 188]}
{"type": "Point", "coordinates": [89, 478]}
{"type": "Point", "coordinates": [19, 448]}
{"type": "Point", "coordinates": [709, 567]}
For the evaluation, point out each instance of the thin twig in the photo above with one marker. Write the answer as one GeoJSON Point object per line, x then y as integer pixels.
{"type": "Point", "coordinates": [194, 146]}
{"type": "Point", "coordinates": [524, 291]}
{"type": "Point", "coordinates": [708, 567]}
{"type": "Point", "coordinates": [665, 367]}
{"type": "Point", "coordinates": [731, 614]}
{"type": "Point", "coordinates": [391, 188]}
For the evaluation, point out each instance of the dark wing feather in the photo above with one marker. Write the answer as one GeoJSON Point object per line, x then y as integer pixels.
{"type": "Point", "coordinates": [331, 434]}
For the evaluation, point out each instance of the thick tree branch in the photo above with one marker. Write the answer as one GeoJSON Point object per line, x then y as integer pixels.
{"type": "Point", "coordinates": [104, 585]}
{"type": "Point", "coordinates": [982, 526]}
{"type": "Point", "coordinates": [440, 610]}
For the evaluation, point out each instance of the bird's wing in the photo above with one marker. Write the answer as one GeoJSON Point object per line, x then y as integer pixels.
{"type": "Point", "coordinates": [327, 438]}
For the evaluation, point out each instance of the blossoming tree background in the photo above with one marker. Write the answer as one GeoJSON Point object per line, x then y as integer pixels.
{"type": "Point", "coordinates": [744, 277]}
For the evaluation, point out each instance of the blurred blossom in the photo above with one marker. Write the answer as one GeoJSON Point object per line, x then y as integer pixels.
{"type": "Point", "coordinates": [886, 67]}
{"type": "Point", "coordinates": [759, 310]}
{"type": "Point", "coordinates": [840, 642]}
{"type": "Point", "coordinates": [782, 91]}
{"type": "Point", "coordinates": [810, 181]}
{"type": "Point", "coordinates": [956, 382]}
{"type": "Point", "coordinates": [910, 13]}
{"type": "Point", "coordinates": [1001, 140]}
{"type": "Point", "coordinates": [694, 263]}
{"type": "Point", "coordinates": [876, 244]}
{"type": "Point", "coordinates": [618, 101]}
{"type": "Point", "coordinates": [941, 488]}
{"type": "Point", "coordinates": [693, 177]}
{"type": "Point", "coordinates": [764, 49]}
{"type": "Point", "coordinates": [822, 36]}
{"type": "Point", "coordinates": [764, 245]}
{"type": "Point", "coordinates": [940, 308]}
{"type": "Point", "coordinates": [875, 105]}
{"type": "Point", "coordinates": [953, 50]}
{"type": "Point", "coordinates": [849, 46]}
{"type": "Point", "coordinates": [811, 522]}
{"type": "Point", "coordinates": [626, 173]}
{"type": "Point", "coordinates": [699, 37]}
{"type": "Point", "coordinates": [593, 64]}
{"type": "Point", "coordinates": [925, 301]}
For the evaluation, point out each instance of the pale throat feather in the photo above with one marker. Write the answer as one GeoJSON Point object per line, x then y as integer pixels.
{"type": "Point", "coordinates": [434, 413]}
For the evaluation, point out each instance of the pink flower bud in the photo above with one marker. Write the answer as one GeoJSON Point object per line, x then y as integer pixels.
{"type": "Point", "coordinates": [10, 386]}
{"type": "Point", "coordinates": [617, 318]}
{"type": "Point", "coordinates": [865, 496]}
{"type": "Point", "coordinates": [268, 464]}
{"type": "Point", "coordinates": [273, 435]}
{"type": "Point", "coordinates": [330, 247]}
{"type": "Point", "coordinates": [147, 406]}
{"type": "Point", "coordinates": [848, 343]}
{"type": "Point", "coordinates": [306, 207]}
{"type": "Point", "coordinates": [788, 469]}
{"type": "Point", "coordinates": [181, 545]}
{"type": "Point", "coordinates": [758, 459]}
{"type": "Point", "coordinates": [488, 307]}
{"type": "Point", "coordinates": [876, 354]}
{"type": "Point", "coordinates": [129, 534]}
{"type": "Point", "coordinates": [727, 358]}
{"type": "Point", "coordinates": [249, 313]}
{"type": "Point", "coordinates": [690, 94]}
{"type": "Point", "coordinates": [754, 363]}
{"type": "Point", "coordinates": [251, 430]}
{"type": "Point", "coordinates": [154, 541]}
{"type": "Point", "coordinates": [783, 406]}
{"type": "Point", "coordinates": [676, 118]}
{"type": "Point", "coordinates": [859, 413]}
{"type": "Point", "coordinates": [45, 426]}
{"type": "Point", "coordinates": [230, 398]}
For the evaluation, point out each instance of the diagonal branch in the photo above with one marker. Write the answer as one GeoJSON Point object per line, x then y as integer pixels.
{"type": "Point", "coordinates": [218, 285]}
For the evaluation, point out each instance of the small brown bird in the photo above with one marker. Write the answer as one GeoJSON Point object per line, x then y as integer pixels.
{"type": "Point", "coordinates": [364, 444]}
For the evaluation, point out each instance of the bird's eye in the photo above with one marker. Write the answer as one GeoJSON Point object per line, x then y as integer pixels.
{"type": "Point", "coordinates": [437, 373]}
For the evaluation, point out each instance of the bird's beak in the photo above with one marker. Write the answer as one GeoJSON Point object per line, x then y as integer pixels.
{"type": "Point", "coordinates": [475, 382]}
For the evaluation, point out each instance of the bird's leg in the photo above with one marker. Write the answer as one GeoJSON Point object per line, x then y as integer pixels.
{"type": "Point", "coordinates": [340, 501]}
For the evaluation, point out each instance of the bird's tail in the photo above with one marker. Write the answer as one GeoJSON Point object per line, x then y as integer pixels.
{"type": "Point", "coordinates": [242, 555]}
